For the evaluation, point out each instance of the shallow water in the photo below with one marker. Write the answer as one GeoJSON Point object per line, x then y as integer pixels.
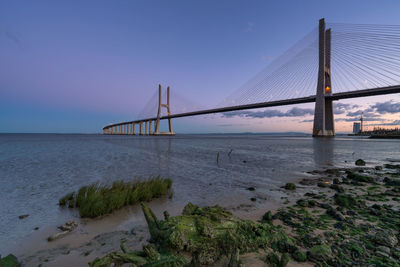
{"type": "Point", "coordinates": [36, 169]}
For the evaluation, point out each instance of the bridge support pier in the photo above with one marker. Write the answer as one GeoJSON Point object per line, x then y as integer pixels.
{"type": "Point", "coordinates": [150, 130]}
{"type": "Point", "coordinates": [323, 114]}
{"type": "Point", "coordinates": [157, 122]}
{"type": "Point", "coordinates": [141, 128]}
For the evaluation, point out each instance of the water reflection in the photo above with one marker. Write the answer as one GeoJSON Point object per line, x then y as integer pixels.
{"type": "Point", "coordinates": [323, 151]}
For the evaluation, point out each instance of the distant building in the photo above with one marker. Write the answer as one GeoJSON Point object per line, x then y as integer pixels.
{"type": "Point", "coordinates": [356, 127]}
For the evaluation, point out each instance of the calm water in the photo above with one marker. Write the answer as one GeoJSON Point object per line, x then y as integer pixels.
{"type": "Point", "coordinates": [35, 170]}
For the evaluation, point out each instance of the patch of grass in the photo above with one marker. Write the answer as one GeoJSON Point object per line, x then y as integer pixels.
{"type": "Point", "coordinates": [96, 199]}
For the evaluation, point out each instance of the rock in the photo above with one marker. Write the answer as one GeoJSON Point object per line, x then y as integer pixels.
{"type": "Point", "coordinates": [253, 199]}
{"type": "Point", "coordinates": [383, 249]}
{"type": "Point", "coordinates": [57, 235]}
{"type": "Point", "coordinates": [378, 168]}
{"type": "Point", "coordinates": [299, 256]}
{"type": "Point", "coordinates": [344, 200]}
{"type": "Point", "coordinates": [381, 254]}
{"type": "Point", "coordinates": [351, 213]}
{"type": "Point", "coordinates": [392, 193]}
{"type": "Point", "coordinates": [337, 188]}
{"type": "Point", "coordinates": [166, 215]}
{"type": "Point", "coordinates": [306, 203]}
{"type": "Point", "coordinates": [323, 184]}
{"type": "Point", "coordinates": [208, 233]}
{"type": "Point", "coordinates": [386, 238]}
{"type": "Point", "coordinates": [23, 216]}
{"type": "Point", "coordinates": [392, 182]}
{"type": "Point", "coordinates": [251, 188]}
{"type": "Point", "coordinates": [285, 258]}
{"type": "Point", "coordinates": [234, 260]}
{"type": "Point", "coordinates": [36, 228]}
{"type": "Point", "coordinates": [359, 178]}
{"type": "Point", "coordinates": [9, 261]}
{"type": "Point", "coordinates": [290, 186]}
{"type": "Point", "coordinates": [272, 259]}
{"type": "Point", "coordinates": [68, 226]}
{"type": "Point", "coordinates": [392, 166]}
{"type": "Point", "coordinates": [306, 181]}
{"type": "Point", "coordinates": [267, 217]}
{"type": "Point", "coordinates": [320, 253]}
{"type": "Point", "coordinates": [335, 214]}
{"type": "Point", "coordinates": [360, 162]}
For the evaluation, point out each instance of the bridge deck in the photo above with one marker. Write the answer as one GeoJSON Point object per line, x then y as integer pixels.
{"type": "Point", "coordinates": [301, 100]}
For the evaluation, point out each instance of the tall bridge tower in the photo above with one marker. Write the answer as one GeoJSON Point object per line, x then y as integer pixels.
{"type": "Point", "coordinates": [323, 114]}
{"type": "Point", "coordinates": [167, 106]}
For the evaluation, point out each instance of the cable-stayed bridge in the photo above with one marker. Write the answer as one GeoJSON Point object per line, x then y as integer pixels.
{"type": "Point", "coordinates": [340, 61]}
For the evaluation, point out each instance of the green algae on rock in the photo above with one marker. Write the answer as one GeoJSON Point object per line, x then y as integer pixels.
{"type": "Point", "coordinates": [290, 186]}
{"type": "Point", "coordinates": [360, 162]}
{"type": "Point", "coordinates": [203, 236]}
{"type": "Point", "coordinates": [9, 261]}
{"type": "Point", "coordinates": [96, 200]}
{"type": "Point", "coordinates": [212, 232]}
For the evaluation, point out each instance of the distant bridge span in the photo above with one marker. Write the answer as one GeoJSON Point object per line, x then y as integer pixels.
{"type": "Point", "coordinates": [301, 100]}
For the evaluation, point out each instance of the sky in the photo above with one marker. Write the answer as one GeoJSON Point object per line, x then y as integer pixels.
{"type": "Point", "coordinates": [76, 66]}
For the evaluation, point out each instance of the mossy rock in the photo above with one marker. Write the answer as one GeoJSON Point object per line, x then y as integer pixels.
{"type": "Point", "coordinates": [345, 200]}
{"type": "Point", "coordinates": [337, 188]}
{"type": "Point", "coordinates": [360, 162]}
{"type": "Point", "coordinates": [299, 256]}
{"type": "Point", "coordinates": [273, 260]}
{"type": "Point", "coordinates": [290, 186]}
{"type": "Point", "coordinates": [9, 261]}
{"type": "Point", "coordinates": [267, 217]}
{"type": "Point", "coordinates": [359, 178]}
{"type": "Point", "coordinates": [321, 253]}
{"type": "Point", "coordinates": [392, 182]}
{"type": "Point", "coordinates": [212, 232]}
{"type": "Point", "coordinates": [392, 166]}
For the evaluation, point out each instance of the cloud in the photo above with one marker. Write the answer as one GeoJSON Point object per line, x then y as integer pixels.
{"type": "Point", "coordinates": [231, 124]}
{"type": "Point", "coordinates": [310, 120]}
{"type": "Point", "coordinates": [341, 108]}
{"type": "Point", "coordinates": [365, 114]}
{"type": "Point", "coordinates": [386, 107]}
{"type": "Point", "coordinates": [393, 123]}
{"type": "Point", "coordinates": [357, 119]}
{"type": "Point", "coordinates": [294, 112]}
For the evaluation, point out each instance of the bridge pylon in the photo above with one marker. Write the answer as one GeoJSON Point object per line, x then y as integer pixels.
{"type": "Point", "coordinates": [323, 114]}
{"type": "Point", "coordinates": [167, 106]}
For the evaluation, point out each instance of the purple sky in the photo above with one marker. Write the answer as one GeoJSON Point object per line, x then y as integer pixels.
{"type": "Point", "coordinates": [75, 66]}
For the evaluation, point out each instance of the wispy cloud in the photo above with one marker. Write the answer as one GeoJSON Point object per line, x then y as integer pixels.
{"type": "Point", "coordinates": [341, 108]}
{"type": "Point", "coordinates": [294, 112]}
{"type": "Point", "coordinates": [386, 107]}
{"type": "Point", "coordinates": [393, 123]}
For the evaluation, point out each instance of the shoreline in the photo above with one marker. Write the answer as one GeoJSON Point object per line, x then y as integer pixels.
{"type": "Point", "coordinates": [97, 237]}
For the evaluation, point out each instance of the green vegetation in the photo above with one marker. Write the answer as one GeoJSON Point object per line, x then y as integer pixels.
{"type": "Point", "coordinates": [290, 186]}
{"type": "Point", "coordinates": [96, 200]}
{"type": "Point", "coordinates": [359, 178]}
{"type": "Point", "coordinates": [9, 261]}
{"type": "Point", "coordinates": [348, 227]}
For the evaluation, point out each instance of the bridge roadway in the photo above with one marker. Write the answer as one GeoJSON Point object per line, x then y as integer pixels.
{"type": "Point", "coordinates": [301, 100]}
